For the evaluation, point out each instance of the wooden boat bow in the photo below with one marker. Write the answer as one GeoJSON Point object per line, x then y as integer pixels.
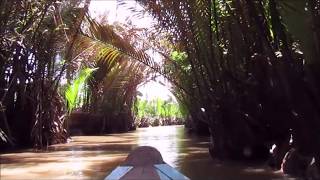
{"type": "Point", "coordinates": [145, 163]}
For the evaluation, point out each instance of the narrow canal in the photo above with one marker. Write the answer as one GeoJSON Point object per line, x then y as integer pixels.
{"type": "Point", "coordinates": [93, 157]}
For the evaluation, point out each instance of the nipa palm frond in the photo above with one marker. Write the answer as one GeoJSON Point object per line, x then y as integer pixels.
{"type": "Point", "coordinates": [73, 89]}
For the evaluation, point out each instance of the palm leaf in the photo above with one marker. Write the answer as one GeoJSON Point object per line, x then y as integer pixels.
{"type": "Point", "coordinates": [76, 86]}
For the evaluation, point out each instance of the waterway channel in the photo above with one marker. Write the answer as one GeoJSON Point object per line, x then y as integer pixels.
{"type": "Point", "coordinates": [93, 157]}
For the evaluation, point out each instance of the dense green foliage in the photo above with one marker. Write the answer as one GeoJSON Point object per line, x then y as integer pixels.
{"type": "Point", "coordinates": [249, 73]}
{"type": "Point", "coordinates": [118, 53]}
{"type": "Point", "coordinates": [77, 86]}
{"type": "Point", "coordinates": [44, 42]}
{"type": "Point", "coordinates": [157, 108]}
{"type": "Point", "coordinates": [246, 70]}
{"type": "Point", "coordinates": [34, 37]}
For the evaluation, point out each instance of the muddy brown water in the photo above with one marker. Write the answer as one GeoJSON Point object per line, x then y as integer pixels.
{"type": "Point", "coordinates": [93, 157]}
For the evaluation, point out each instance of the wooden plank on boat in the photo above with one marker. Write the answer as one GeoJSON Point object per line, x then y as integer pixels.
{"type": "Point", "coordinates": [142, 173]}
{"type": "Point", "coordinates": [145, 163]}
{"type": "Point", "coordinates": [144, 156]}
{"type": "Point", "coordinates": [118, 173]}
{"type": "Point", "coordinates": [170, 172]}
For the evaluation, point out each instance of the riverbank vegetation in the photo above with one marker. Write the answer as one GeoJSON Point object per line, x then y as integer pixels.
{"type": "Point", "coordinates": [249, 72]}
{"type": "Point", "coordinates": [35, 42]}
{"type": "Point", "coordinates": [245, 71]}
{"type": "Point", "coordinates": [61, 69]}
{"type": "Point", "coordinates": [158, 112]}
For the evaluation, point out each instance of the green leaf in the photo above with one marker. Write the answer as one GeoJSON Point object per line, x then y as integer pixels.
{"type": "Point", "coordinates": [76, 86]}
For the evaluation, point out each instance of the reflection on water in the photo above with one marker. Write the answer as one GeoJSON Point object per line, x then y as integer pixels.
{"type": "Point", "coordinates": [93, 157]}
{"type": "Point", "coordinates": [165, 139]}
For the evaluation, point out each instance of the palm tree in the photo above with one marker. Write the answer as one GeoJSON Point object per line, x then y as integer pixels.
{"type": "Point", "coordinates": [33, 37]}
{"type": "Point", "coordinates": [246, 72]}
{"type": "Point", "coordinates": [121, 67]}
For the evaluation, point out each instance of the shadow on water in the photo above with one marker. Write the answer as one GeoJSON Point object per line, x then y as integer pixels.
{"type": "Point", "coordinates": [93, 157]}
